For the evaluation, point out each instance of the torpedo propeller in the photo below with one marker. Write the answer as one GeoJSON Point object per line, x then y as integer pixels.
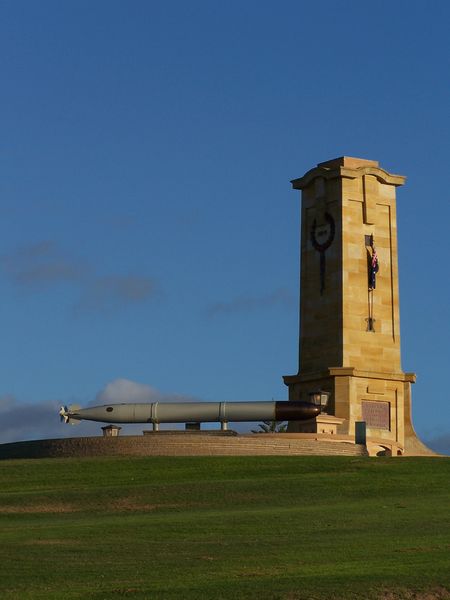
{"type": "Point", "coordinates": [65, 414]}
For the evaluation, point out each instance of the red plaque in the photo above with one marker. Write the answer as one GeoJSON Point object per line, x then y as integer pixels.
{"type": "Point", "coordinates": [376, 414]}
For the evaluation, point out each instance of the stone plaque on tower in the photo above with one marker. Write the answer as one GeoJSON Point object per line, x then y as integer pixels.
{"type": "Point", "coordinates": [349, 306]}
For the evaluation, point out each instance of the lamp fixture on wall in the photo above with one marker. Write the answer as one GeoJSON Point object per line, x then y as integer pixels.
{"type": "Point", "coordinates": [320, 398]}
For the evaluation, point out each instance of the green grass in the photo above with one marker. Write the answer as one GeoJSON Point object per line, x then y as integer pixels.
{"type": "Point", "coordinates": [209, 527]}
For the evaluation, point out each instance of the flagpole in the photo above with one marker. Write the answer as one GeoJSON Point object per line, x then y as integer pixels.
{"type": "Point", "coordinates": [372, 283]}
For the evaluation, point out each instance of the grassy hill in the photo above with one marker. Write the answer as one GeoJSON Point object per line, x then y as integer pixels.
{"type": "Point", "coordinates": [209, 527]}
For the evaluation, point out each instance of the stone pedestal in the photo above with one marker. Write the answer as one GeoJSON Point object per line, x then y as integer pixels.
{"type": "Point", "coordinates": [328, 424]}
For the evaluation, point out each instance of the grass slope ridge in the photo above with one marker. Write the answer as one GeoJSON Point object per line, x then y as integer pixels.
{"type": "Point", "coordinates": [233, 527]}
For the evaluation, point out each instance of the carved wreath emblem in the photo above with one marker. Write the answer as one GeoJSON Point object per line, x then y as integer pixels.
{"type": "Point", "coordinates": [322, 246]}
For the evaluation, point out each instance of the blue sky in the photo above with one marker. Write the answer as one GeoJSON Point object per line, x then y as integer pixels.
{"type": "Point", "coordinates": [148, 230]}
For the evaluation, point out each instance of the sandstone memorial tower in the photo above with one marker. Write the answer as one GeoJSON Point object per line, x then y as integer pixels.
{"type": "Point", "coordinates": [349, 307]}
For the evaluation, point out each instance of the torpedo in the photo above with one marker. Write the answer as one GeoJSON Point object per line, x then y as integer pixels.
{"type": "Point", "coordinates": [186, 412]}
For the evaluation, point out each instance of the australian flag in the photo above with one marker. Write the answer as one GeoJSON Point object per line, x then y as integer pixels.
{"type": "Point", "coordinates": [373, 270]}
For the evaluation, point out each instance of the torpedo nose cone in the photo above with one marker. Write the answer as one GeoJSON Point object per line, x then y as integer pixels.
{"type": "Point", "coordinates": [296, 411]}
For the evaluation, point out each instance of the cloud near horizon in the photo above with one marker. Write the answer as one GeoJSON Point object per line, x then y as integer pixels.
{"type": "Point", "coordinates": [440, 444]}
{"type": "Point", "coordinates": [31, 421]}
{"type": "Point", "coordinates": [21, 421]}
{"type": "Point", "coordinates": [42, 265]}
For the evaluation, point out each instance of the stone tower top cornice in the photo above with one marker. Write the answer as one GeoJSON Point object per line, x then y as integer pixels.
{"type": "Point", "coordinates": [347, 167]}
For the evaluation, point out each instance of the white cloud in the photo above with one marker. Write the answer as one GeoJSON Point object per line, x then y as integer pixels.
{"type": "Point", "coordinates": [126, 390]}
